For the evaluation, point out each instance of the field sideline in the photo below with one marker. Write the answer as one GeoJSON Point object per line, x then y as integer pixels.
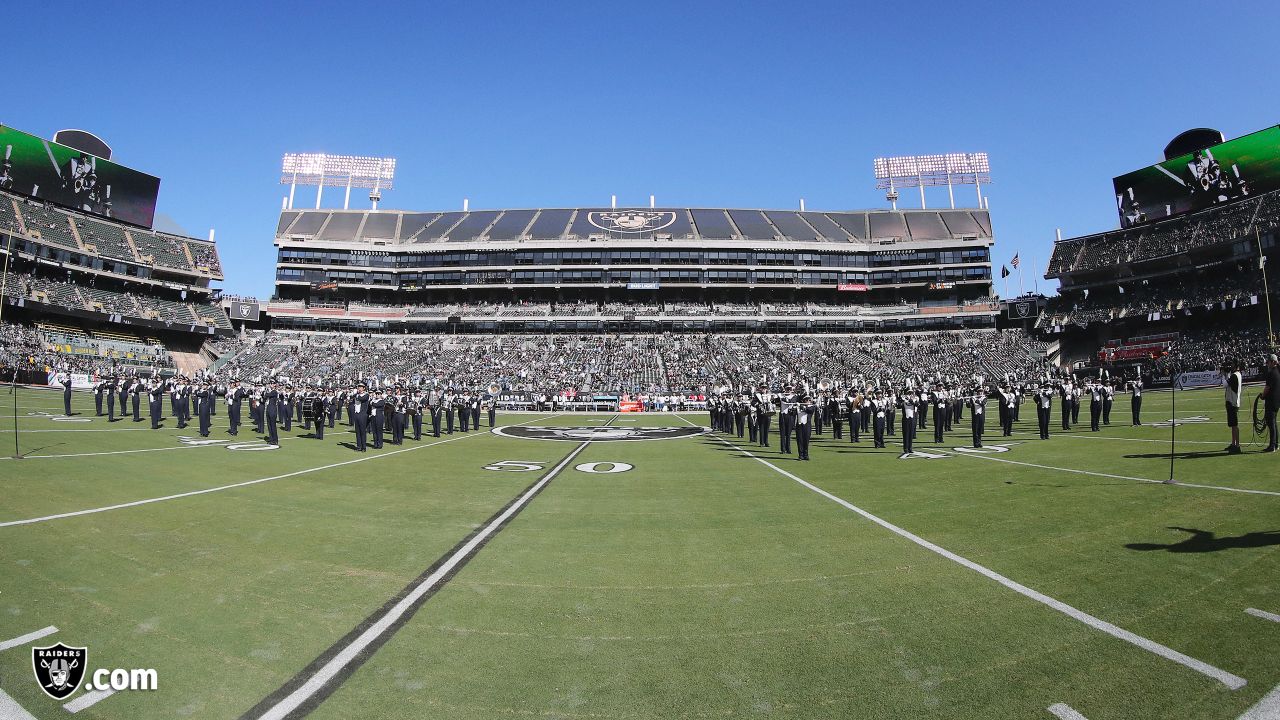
{"type": "Point", "coordinates": [691, 577]}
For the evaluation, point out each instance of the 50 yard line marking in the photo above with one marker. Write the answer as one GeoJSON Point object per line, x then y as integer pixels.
{"type": "Point", "coordinates": [205, 491]}
{"type": "Point", "coordinates": [1234, 682]}
{"type": "Point", "coordinates": [310, 687]}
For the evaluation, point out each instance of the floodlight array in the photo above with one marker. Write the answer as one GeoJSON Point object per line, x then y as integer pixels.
{"type": "Point", "coordinates": [338, 170]}
{"type": "Point", "coordinates": [927, 170]}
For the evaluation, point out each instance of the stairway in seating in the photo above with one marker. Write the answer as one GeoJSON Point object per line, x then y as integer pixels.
{"type": "Point", "coordinates": [75, 233]}
{"type": "Point", "coordinates": [133, 247]}
{"type": "Point", "coordinates": [186, 250]}
{"type": "Point", "coordinates": [188, 363]}
{"type": "Point", "coordinates": [17, 213]}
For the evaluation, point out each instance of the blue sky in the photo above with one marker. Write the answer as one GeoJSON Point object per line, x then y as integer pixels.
{"type": "Point", "coordinates": [702, 104]}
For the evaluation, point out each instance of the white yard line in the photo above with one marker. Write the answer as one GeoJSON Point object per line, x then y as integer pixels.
{"type": "Point", "coordinates": [88, 700]}
{"type": "Point", "coordinates": [1145, 440]}
{"type": "Point", "coordinates": [330, 670]}
{"type": "Point", "coordinates": [11, 710]}
{"type": "Point", "coordinates": [981, 456]}
{"type": "Point", "coordinates": [295, 473]}
{"type": "Point", "coordinates": [1065, 712]}
{"type": "Point", "coordinates": [1252, 611]}
{"type": "Point", "coordinates": [24, 431]}
{"type": "Point", "coordinates": [1268, 708]}
{"type": "Point", "coordinates": [220, 442]}
{"type": "Point", "coordinates": [29, 637]}
{"type": "Point", "coordinates": [1232, 681]}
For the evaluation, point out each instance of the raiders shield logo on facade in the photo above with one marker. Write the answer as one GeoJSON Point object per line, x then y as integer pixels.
{"type": "Point", "coordinates": [59, 669]}
{"type": "Point", "coordinates": [1024, 309]}
{"type": "Point", "coordinates": [244, 310]}
{"type": "Point", "coordinates": [596, 434]}
{"type": "Point", "coordinates": [632, 221]}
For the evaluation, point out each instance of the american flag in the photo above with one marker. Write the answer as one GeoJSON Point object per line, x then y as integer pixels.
{"type": "Point", "coordinates": [1014, 261]}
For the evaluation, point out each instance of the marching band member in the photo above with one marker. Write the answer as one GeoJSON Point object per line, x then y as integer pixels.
{"type": "Point", "coordinates": [941, 406]}
{"type": "Point", "coordinates": [977, 403]}
{"type": "Point", "coordinates": [1044, 405]}
{"type": "Point", "coordinates": [907, 404]}
{"type": "Point", "coordinates": [415, 413]}
{"type": "Point", "coordinates": [204, 399]}
{"type": "Point", "coordinates": [271, 412]}
{"type": "Point", "coordinates": [448, 403]}
{"type": "Point", "coordinates": [805, 411]}
{"type": "Point", "coordinates": [1135, 400]}
{"type": "Point", "coordinates": [1095, 405]}
{"type": "Point", "coordinates": [359, 415]}
{"type": "Point", "coordinates": [235, 394]}
{"type": "Point", "coordinates": [879, 419]}
{"type": "Point", "coordinates": [787, 422]}
{"type": "Point", "coordinates": [155, 403]}
{"type": "Point", "coordinates": [377, 417]}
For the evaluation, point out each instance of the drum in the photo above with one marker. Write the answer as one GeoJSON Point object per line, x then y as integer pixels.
{"type": "Point", "coordinates": [311, 408]}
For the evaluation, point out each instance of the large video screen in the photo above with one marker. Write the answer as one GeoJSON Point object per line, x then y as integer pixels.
{"type": "Point", "coordinates": [58, 174]}
{"type": "Point", "coordinates": [1233, 170]}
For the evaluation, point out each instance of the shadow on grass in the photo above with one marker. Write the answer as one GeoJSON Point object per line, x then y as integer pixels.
{"type": "Point", "coordinates": [1202, 541]}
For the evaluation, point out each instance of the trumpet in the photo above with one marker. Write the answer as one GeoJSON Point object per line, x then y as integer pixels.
{"type": "Point", "coordinates": [493, 388]}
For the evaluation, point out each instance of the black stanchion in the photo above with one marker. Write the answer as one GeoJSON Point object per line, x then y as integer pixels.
{"type": "Point", "coordinates": [13, 390]}
{"type": "Point", "coordinates": [1176, 374]}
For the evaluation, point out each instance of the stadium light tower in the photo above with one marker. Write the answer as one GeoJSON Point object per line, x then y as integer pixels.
{"type": "Point", "coordinates": [950, 169]}
{"type": "Point", "coordinates": [321, 170]}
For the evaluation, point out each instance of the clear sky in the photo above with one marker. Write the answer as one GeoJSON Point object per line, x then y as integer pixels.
{"type": "Point", "coordinates": [737, 104]}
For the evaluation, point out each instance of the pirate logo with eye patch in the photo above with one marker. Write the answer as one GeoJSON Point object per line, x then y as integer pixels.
{"type": "Point", "coordinates": [596, 434]}
{"type": "Point", "coordinates": [632, 221]}
{"type": "Point", "coordinates": [59, 668]}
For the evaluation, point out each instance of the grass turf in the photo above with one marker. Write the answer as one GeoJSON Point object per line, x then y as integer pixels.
{"type": "Point", "coordinates": [701, 583]}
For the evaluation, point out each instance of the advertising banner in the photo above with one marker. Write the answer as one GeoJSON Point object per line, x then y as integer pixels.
{"type": "Point", "coordinates": [1206, 378]}
{"type": "Point", "coordinates": [79, 381]}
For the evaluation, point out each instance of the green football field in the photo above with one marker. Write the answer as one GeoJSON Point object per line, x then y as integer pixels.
{"type": "Point", "coordinates": [487, 576]}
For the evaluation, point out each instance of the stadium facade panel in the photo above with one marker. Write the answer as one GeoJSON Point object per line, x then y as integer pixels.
{"type": "Point", "coordinates": [926, 262]}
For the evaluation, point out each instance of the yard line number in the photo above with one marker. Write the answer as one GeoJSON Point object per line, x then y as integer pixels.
{"type": "Point", "coordinates": [603, 467]}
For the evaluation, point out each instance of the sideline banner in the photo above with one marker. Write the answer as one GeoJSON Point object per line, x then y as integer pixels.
{"type": "Point", "coordinates": [1206, 378]}
{"type": "Point", "coordinates": [79, 381]}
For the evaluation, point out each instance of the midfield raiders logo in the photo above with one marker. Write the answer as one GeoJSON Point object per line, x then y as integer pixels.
{"type": "Point", "coordinates": [632, 221]}
{"type": "Point", "coordinates": [597, 434]}
{"type": "Point", "coordinates": [59, 669]}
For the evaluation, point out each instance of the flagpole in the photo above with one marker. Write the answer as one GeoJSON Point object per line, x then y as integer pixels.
{"type": "Point", "coordinates": [1021, 288]}
{"type": "Point", "coordinates": [1035, 275]}
{"type": "Point", "coordinates": [1266, 291]}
